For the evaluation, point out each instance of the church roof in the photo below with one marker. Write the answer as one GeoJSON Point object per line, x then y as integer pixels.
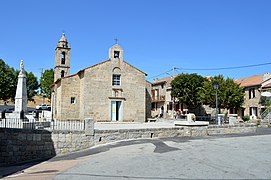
{"type": "Point", "coordinates": [94, 66]}
{"type": "Point", "coordinates": [110, 60]}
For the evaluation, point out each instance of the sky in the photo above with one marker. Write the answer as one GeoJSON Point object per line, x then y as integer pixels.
{"type": "Point", "coordinates": [156, 35]}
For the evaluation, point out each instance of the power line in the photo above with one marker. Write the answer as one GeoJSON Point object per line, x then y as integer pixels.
{"type": "Point", "coordinates": [209, 69]}
{"type": "Point", "coordinates": [233, 67]}
{"type": "Point", "coordinates": [159, 74]}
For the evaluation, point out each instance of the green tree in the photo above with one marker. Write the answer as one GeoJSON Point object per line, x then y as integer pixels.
{"type": "Point", "coordinates": [186, 88]}
{"type": "Point", "coordinates": [230, 94]}
{"type": "Point", "coordinates": [47, 79]}
{"type": "Point", "coordinates": [32, 85]}
{"type": "Point", "coordinates": [7, 78]}
{"type": "Point", "coordinates": [8, 83]}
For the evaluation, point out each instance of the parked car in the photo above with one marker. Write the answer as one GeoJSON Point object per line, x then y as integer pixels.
{"type": "Point", "coordinates": [9, 110]}
{"type": "Point", "coordinates": [43, 107]}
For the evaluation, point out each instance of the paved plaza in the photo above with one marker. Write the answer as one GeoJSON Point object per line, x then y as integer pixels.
{"type": "Point", "coordinates": [213, 157]}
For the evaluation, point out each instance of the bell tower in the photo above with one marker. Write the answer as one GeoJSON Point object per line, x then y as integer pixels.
{"type": "Point", "coordinates": [116, 52]}
{"type": "Point", "coordinates": [62, 58]}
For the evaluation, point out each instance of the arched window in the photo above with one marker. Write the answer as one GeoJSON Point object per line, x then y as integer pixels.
{"type": "Point", "coordinates": [63, 58]}
{"type": "Point", "coordinates": [62, 73]}
{"type": "Point", "coordinates": [116, 77]}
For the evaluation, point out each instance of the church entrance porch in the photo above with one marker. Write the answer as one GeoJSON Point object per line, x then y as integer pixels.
{"type": "Point", "coordinates": [116, 111]}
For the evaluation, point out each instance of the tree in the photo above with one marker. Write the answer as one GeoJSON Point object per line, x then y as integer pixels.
{"type": "Point", "coordinates": [186, 88]}
{"type": "Point", "coordinates": [32, 85]}
{"type": "Point", "coordinates": [8, 83]}
{"type": "Point", "coordinates": [47, 79]}
{"type": "Point", "coordinates": [7, 77]}
{"type": "Point", "coordinates": [230, 94]}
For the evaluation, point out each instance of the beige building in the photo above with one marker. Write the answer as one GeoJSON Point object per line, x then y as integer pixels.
{"type": "Point", "coordinates": [161, 96]}
{"type": "Point", "coordinates": [112, 90]}
{"type": "Point", "coordinates": [254, 86]}
{"type": "Point", "coordinates": [253, 104]}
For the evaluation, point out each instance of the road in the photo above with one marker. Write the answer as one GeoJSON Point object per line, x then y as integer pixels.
{"type": "Point", "coordinates": [213, 157]}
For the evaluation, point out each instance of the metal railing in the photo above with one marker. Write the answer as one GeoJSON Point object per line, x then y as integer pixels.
{"type": "Point", "coordinates": [265, 113]}
{"type": "Point", "coordinates": [71, 125]}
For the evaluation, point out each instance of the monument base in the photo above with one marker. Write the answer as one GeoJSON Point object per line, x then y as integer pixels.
{"type": "Point", "coordinates": [191, 123]}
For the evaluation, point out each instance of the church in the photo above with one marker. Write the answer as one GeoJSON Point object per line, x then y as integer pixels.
{"type": "Point", "coordinates": [110, 91]}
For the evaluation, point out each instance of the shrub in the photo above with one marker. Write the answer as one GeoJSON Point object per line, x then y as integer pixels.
{"type": "Point", "coordinates": [246, 118]}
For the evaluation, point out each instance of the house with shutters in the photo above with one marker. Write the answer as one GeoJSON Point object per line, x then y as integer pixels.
{"type": "Point", "coordinates": [253, 87]}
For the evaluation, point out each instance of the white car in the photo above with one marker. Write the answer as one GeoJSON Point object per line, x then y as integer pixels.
{"type": "Point", "coordinates": [42, 107]}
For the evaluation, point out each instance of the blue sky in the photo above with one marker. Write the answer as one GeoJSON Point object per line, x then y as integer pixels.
{"type": "Point", "coordinates": [155, 34]}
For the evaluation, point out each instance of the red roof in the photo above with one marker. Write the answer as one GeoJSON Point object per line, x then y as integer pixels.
{"type": "Point", "coordinates": [161, 81]}
{"type": "Point", "coordinates": [250, 81]}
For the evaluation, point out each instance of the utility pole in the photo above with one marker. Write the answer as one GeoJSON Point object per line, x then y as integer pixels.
{"type": "Point", "coordinates": [173, 108]}
{"type": "Point", "coordinates": [41, 73]}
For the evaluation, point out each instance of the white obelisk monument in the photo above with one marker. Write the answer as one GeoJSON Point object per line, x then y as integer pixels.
{"type": "Point", "coordinates": [21, 91]}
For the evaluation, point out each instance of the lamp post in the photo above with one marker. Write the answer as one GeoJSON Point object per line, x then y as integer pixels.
{"type": "Point", "coordinates": [216, 101]}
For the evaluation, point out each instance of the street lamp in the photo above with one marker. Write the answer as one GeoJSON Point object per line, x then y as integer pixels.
{"type": "Point", "coordinates": [216, 101]}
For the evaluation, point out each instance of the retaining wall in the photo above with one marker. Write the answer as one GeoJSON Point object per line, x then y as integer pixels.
{"type": "Point", "coordinates": [22, 145]}
{"type": "Point", "coordinates": [231, 129]}
{"type": "Point", "coordinates": [106, 136]}
{"type": "Point", "coordinates": [70, 141]}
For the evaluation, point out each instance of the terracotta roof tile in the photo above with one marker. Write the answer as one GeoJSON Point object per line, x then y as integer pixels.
{"type": "Point", "coordinates": [250, 81]}
{"type": "Point", "coordinates": [163, 80]}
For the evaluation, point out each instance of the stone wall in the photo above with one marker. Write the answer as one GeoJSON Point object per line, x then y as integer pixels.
{"type": "Point", "coordinates": [253, 102]}
{"type": "Point", "coordinates": [107, 136]}
{"type": "Point", "coordinates": [22, 145]}
{"type": "Point", "coordinates": [70, 141]}
{"type": "Point", "coordinates": [231, 129]}
{"type": "Point", "coordinates": [94, 92]}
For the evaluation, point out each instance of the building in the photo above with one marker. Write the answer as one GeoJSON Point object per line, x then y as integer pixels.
{"type": "Point", "coordinates": [161, 96]}
{"type": "Point", "coordinates": [112, 90]}
{"type": "Point", "coordinates": [253, 105]}
{"type": "Point", "coordinates": [253, 87]}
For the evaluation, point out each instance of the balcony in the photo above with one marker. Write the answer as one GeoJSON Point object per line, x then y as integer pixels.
{"type": "Point", "coordinates": [158, 98]}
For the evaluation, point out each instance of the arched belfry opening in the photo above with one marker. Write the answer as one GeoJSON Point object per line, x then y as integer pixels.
{"type": "Point", "coordinates": [63, 58]}
{"type": "Point", "coordinates": [62, 73]}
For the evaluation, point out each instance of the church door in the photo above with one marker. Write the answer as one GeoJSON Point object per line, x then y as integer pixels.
{"type": "Point", "coordinates": [116, 111]}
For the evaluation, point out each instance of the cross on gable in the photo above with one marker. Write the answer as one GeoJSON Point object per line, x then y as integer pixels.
{"type": "Point", "coordinates": [116, 39]}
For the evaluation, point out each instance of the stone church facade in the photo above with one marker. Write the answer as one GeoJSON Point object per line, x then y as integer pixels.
{"type": "Point", "coordinates": [112, 90]}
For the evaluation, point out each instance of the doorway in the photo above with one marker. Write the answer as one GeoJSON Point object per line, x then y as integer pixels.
{"type": "Point", "coordinates": [116, 111]}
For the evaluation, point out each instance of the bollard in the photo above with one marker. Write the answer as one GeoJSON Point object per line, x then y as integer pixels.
{"type": "Point", "coordinates": [37, 114]}
{"type": "Point", "coordinates": [22, 114]}
{"type": "Point", "coordinates": [3, 114]}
